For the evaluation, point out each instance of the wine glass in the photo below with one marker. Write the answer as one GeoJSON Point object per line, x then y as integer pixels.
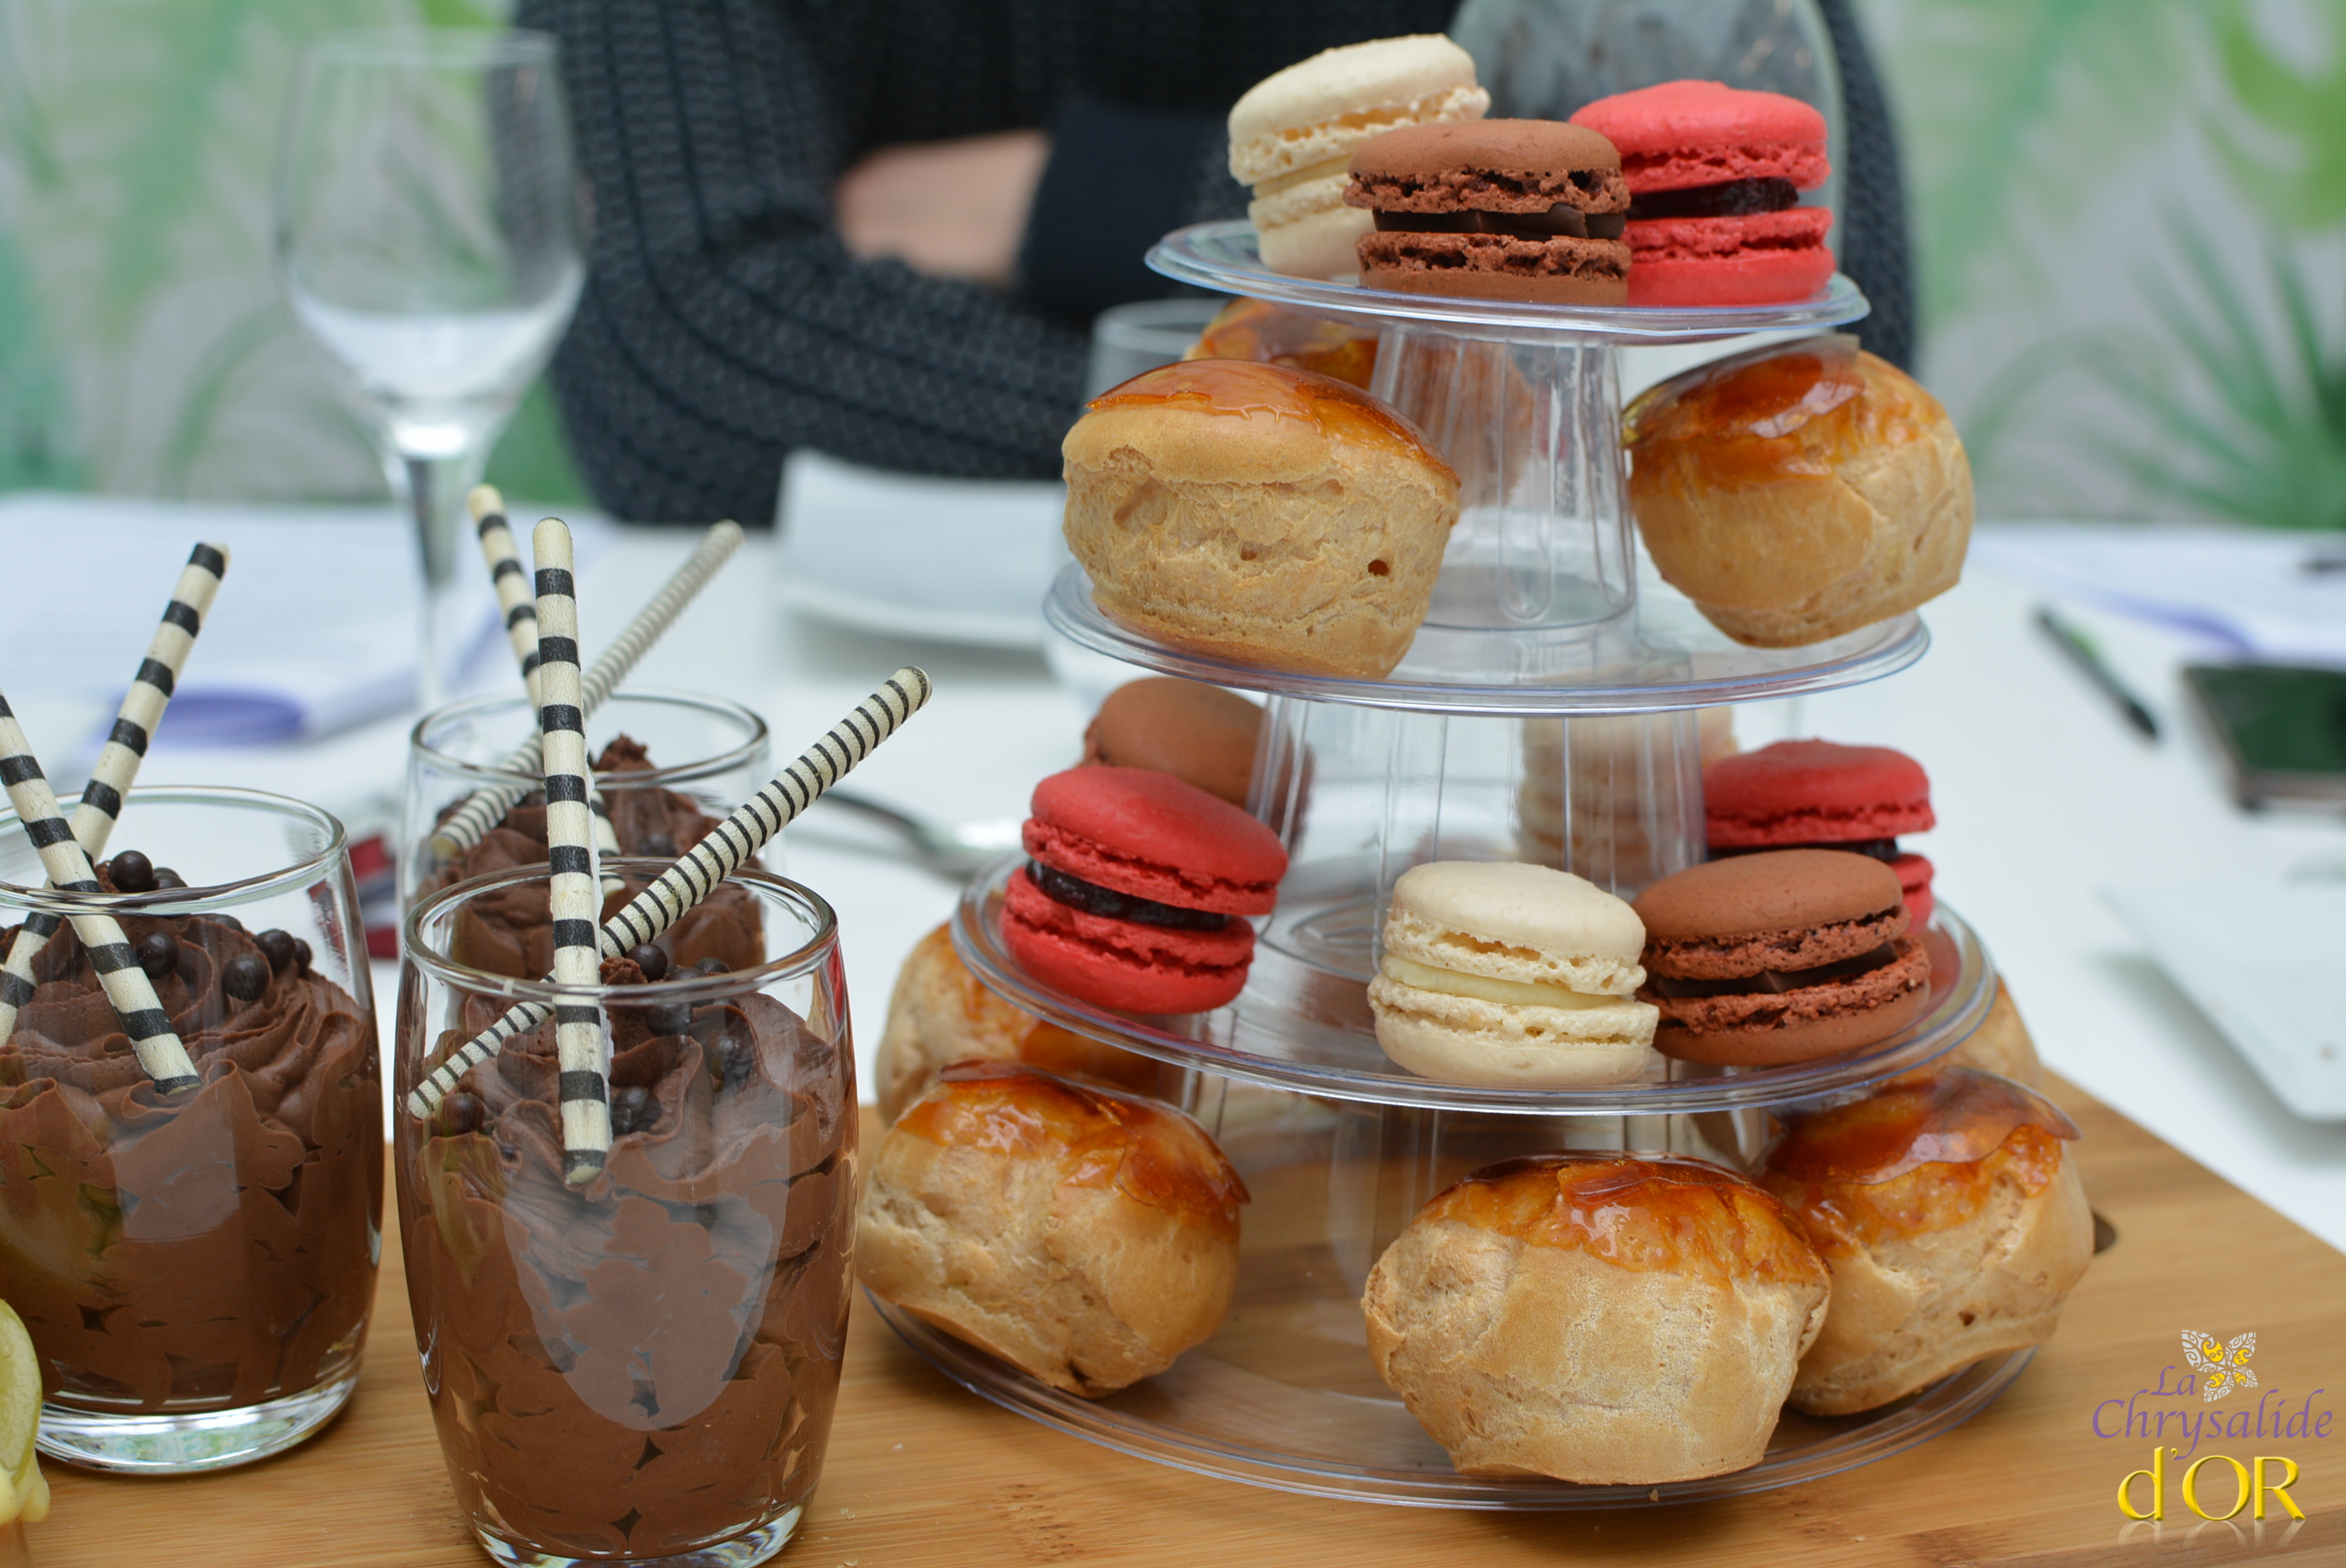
{"type": "Point", "coordinates": [428, 236]}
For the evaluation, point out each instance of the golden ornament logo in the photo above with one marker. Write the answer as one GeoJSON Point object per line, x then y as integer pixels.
{"type": "Point", "coordinates": [2226, 1365]}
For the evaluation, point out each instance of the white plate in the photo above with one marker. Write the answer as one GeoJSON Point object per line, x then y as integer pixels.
{"type": "Point", "coordinates": [2267, 966]}
{"type": "Point", "coordinates": [950, 560]}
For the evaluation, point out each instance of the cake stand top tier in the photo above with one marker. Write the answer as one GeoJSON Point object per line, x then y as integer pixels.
{"type": "Point", "coordinates": [1222, 257]}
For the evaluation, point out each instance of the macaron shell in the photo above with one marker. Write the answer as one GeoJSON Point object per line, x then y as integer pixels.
{"type": "Point", "coordinates": [1578, 286]}
{"type": "Point", "coordinates": [1743, 234]}
{"type": "Point", "coordinates": [1443, 163]}
{"type": "Point", "coordinates": [1466, 1040]}
{"type": "Point", "coordinates": [1755, 896]}
{"type": "Point", "coordinates": [1677, 135]}
{"type": "Point", "coordinates": [1915, 886]}
{"type": "Point", "coordinates": [1510, 921]}
{"type": "Point", "coordinates": [1773, 1029]}
{"type": "Point", "coordinates": [1311, 241]}
{"type": "Point", "coordinates": [1199, 734]}
{"type": "Point", "coordinates": [1747, 277]}
{"type": "Point", "coordinates": [1814, 792]}
{"type": "Point", "coordinates": [1150, 835]}
{"type": "Point", "coordinates": [1325, 105]}
{"type": "Point", "coordinates": [1120, 963]}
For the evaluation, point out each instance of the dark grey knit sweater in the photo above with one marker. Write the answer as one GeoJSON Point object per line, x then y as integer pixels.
{"type": "Point", "coordinates": [724, 322]}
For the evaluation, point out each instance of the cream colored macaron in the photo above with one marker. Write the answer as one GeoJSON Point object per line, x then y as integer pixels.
{"type": "Point", "coordinates": [1513, 975]}
{"type": "Point", "coordinates": [1292, 134]}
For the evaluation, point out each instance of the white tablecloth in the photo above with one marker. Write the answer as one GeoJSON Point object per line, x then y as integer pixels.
{"type": "Point", "coordinates": [2044, 798]}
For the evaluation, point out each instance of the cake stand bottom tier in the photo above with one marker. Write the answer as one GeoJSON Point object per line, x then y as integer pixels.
{"type": "Point", "coordinates": [1285, 1395]}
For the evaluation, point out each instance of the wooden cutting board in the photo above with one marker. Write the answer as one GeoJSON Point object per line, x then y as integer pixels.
{"type": "Point", "coordinates": [921, 1474]}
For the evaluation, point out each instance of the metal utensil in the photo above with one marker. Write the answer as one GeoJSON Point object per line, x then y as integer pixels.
{"type": "Point", "coordinates": [949, 849]}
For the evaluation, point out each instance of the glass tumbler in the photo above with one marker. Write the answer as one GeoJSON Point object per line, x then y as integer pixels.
{"type": "Point", "coordinates": [197, 1271]}
{"type": "Point", "coordinates": [694, 760]}
{"type": "Point", "coordinates": [642, 1369]}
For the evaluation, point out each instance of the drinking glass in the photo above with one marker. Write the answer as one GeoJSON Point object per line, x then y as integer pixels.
{"type": "Point", "coordinates": [641, 1369]}
{"type": "Point", "coordinates": [706, 757]}
{"type": "Point", "coordinates": [428, 237]}
{"type": "Point", "coordinates": [196, 1271]}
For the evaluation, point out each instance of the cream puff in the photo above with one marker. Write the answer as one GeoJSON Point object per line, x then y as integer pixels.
{"type": "Point", "coordinates": [1084, 1237]}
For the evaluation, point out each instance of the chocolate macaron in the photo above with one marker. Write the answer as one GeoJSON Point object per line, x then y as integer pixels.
{"type": "Point", "coordinates": [1200, 734]}
{"type": "Point", "coordinates": [1494, 209]}
{"type": "Point", "coordinates": [1136, 890]}
{"type": "Point", "coordinates": [1781, 957]}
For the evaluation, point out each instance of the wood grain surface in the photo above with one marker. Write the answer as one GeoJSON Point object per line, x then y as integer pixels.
{"type": "Point", "coordinates": [921, 1474]}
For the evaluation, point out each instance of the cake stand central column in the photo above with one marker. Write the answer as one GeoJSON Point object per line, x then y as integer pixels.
{"type": "Point", "coordinates": [1539, 568]}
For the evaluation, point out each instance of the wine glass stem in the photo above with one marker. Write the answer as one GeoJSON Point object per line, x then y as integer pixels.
{"type": "Point", "coordinates": [434, 488]}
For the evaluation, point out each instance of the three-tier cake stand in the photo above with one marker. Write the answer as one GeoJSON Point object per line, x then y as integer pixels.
{"type": "Point", "coordinates": [1546, 712]}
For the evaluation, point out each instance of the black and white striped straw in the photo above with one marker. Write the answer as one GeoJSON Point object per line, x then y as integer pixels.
{"type": "Point", "coordinates": [514, 598]}
{"type": "Point", "coordinates": [696, 873]}
{"type": "Point", "coordinates": [575, 891]}
{"type": "Point", "coordinates": [118, 760]}
{"type": "Point", "coordinates": [485, 808]}
{"type": "Point", "coordinates": [128, 989]}
{"type": "Point", "coordinates": [509, 577]}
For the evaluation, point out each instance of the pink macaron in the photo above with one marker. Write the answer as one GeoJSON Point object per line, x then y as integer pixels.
{"type": "Point", "coordinates": [1818, 794]}
{"type": "Point", "coordinates": [1715, 174]}
{"type": "Point", "coordinates": [1137, 888]}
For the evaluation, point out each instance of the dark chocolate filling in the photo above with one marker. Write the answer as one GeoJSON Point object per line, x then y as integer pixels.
{"type": "Point", "coordinates": [1736, 198]}
{"type": "Point", "coordinates": [1563, 219]}
{"type": "Point", "coordinates": [1883, 849]}
{"type": "Point", "coordinates": [1092, 899]}
{"type": "Point", "coordinates": [1777, 981]}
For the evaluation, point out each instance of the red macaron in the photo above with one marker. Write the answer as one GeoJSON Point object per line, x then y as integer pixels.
{"type": "Point", "coordinates": [1817, 795]}
{"type": "Point", "coordinates": [1137, 888]}
{"type": "Point", "coordinates": [1715, 174]}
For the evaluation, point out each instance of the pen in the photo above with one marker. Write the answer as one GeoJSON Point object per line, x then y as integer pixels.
{"type": "Point", "coordinates": [2087, 658]}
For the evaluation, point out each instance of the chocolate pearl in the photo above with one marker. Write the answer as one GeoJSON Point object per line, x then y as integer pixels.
{"type": "Point", "coordinates": [712, 966]}
{"type": "Point", "coordinates": [462, 1112]}
{"type": "Point", "coordinates": [668, 1017]}
{"type": "Point", "coordinates": [277, 946]}
{"type": "Point", "coordinates": [245, 978]}
{"type": "Point", "coordinates": [302, 955]}
{"type": "Point", "coordinates": [633, 1110]}
{"type": "Point", "coordinates": [658, 845]}
{"type": "Point", "coordinates": [737, 1059]}
{"type": "Point", "coordinates": [158, 954]}
{"type": "Point", "coordinates": [133, 872]}
{"type": "Point", "coordinates": [229, 920]}
{"type": "Point", "coordinates": [165, 877]}
{"type": "Point", "coordinates": [651, 958]}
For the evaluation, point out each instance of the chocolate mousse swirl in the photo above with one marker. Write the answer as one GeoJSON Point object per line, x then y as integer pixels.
{"type": "Point", "coordinates": [635, 1366]}
{"type": "Point", "coordinates": [208, 1250]}
{"type": "Point", "coordinates": [511, 932]}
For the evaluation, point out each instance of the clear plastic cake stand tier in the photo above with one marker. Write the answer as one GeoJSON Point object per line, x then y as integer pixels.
{"type": "Point", "coordinates": [1548, 711]}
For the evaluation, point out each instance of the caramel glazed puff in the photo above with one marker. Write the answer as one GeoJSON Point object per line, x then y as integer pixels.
{"type": "Point", "coordinates": [1599, 1319]}
{"type": "Point", "coordinates": [1084, 1237]}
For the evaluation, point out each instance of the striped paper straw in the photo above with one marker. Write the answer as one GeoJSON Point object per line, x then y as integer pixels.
{"type": "Point", "coordinates": [118, 760]}
{"type": "Point", "coordinates": [128, 989]}
{"type": "Point", "coordinates": [486, 807]}
{"type": "Point", "coordinates": [513, 585]}
{"type": "Point", "coordinates": [576, 892]}
{"type": "Point", "coordinates": [696, 873]}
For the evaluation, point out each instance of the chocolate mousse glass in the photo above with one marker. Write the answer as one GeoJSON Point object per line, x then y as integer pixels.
{"type": "Point", "coordinates": [669, 766]}
{"type": "Point", "coordinates": [196, 1271]}
{"type": "Point", "coordinates": [641, 1369]}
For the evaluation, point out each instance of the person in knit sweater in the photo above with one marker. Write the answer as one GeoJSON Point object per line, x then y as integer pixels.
{"type": "Point", "coordinates": [880, 228]}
